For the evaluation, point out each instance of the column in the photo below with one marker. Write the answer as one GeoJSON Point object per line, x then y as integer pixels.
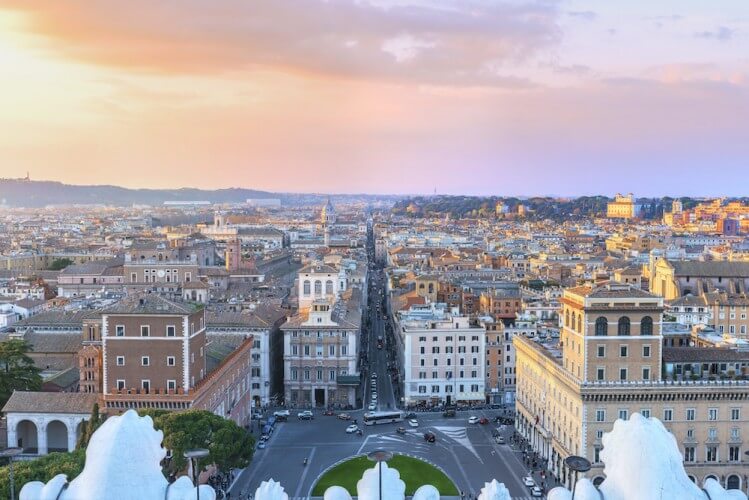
{"type": "Point", "coordinates": [41, 435]}
{"type": "Point", "coordinates": [72, 425]}
{"type": "Point", "coordinates": [12, 436]}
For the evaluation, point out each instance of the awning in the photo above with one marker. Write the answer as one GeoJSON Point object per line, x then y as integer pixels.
{"type": "Point", "coordinates": [348, 380]}
{"type": "Point", "coordinates": [470, 396]}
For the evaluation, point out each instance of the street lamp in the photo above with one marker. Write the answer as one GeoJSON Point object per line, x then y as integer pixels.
{"type": "Point", "coordinates": [577, 464]}
{"type": "Point", "coordinates": [193, 456]}
{"type": "Point", "coordinates": [380, 456]}
{"type": "Point", "coordinates": [9, 453]}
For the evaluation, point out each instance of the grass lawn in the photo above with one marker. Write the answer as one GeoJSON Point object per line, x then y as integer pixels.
{"type": "Point", "coordinates": [414, 473]}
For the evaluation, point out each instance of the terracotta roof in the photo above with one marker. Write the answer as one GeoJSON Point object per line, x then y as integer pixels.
{"type": "Point", "coordinates": [715, 269]}
{"type": "Point", "coordinates": [50, 402]}
{"type": "Point", "coordinates": [150, 303]}
{"type": "Point", "coordinates": [702, 355]}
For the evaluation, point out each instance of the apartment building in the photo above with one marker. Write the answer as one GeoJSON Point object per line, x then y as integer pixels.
{"type": "Point", "coordinates": [320, 351]}
{"type": "Point", "coordinates": [443, 354]}
{"type": "Point", "coordinates": [608, 365]}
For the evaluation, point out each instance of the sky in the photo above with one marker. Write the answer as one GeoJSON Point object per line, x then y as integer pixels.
{"type": "Point", "coordinates": [543, 97]}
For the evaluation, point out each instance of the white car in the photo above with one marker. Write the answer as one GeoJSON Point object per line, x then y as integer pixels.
{"type": "Point", "coordinates": [473, 420]}
{"type": "Point", "coordinates": [352, 428]}
{"type": "Point", "coordinates": [413, 422]}
{"type": "Point", "coordinates": [536, 492]}
{"type": "Point", "coordinates": [528, 481]}
{"type": "Point", "coordinates": [281, 413]}
{"type": "Point", "coordinates": [372, 406]}
{"type": "Point", "coordinates": [374, 375]}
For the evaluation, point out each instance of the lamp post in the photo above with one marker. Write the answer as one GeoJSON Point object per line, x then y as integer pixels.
{"type": "Point", "coordinates": [193, 456]}
{"type": "Point", "coordinates": [9, 453]}
{"type": "Point", "coordinates": [577, 464]}
{"type": "Point", "coordinates": [380, 456]}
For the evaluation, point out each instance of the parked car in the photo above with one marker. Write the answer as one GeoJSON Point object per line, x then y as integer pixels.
{"type": "Point", "coordinates": [413, 422]}
{"type": "Point", "coordinates": [329, 413]}
{"type": "Point", "coordinates": [281, 413]}
{"type": "Point", "coordinates": [473, 420]}
{"type": "Point", "coordinates": [344, 416]}
{"type": "Point", "coordinates": [483, 420]}
{"type": "Point", "coordinates": [374, 375]}
{"type": "Point", "coordinates": [352, 429]}
{"type": "Point", "coordinates": [429, 437]}
{"type": "Point", "coordinates": [400, 430]}
{"type": "Point", "coordinates": [500, 440]}
{"type": "Point", "coordinates": [536, 492]}
{"type": "Point", "coordinates": [261, 445]}
{"type": "Point", "coordinates": [528, 481]}
{"type": "Point", "coordinates": [372, 406]}
{"type": "Point", "coordinates": [305, 415]}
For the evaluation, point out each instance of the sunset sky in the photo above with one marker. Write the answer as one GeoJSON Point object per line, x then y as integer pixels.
{"type": "Point", "coordinates": [382, 96]}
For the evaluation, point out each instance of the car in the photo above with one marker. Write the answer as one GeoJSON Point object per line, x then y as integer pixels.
{"type": "Point", "coordinates": [344, 416]}
{"type": "Point", "coordinates": [329, 413]}
{"type": "Point", "coordinates": [528, 481]}
{"type": "Point", "coordinates": [374, 375]}
{"type": "Point", "coordinates": [305, 415]}
{"type": "Point", "coordinates": [257, 416]}
{"type": "Point", "coordinates": [374, 396]}
{"type": "Point", "coordinates": [400, 430]}
{"type": "Point", "coordinates": [281, 413]}
{"type": "Point", "coordinates": [352, 428]}
{"type": "Point", "coordinates": [500, 440]}
{"type": "Point", "coordinates": [372, 406]}
{"type": "Point", "coordinates": [261, 445]}
{"type": "Point", "coordinates": [429, 437]}
{"type": "Point", "coordinates": [473, 420]}
{"type": "Point", "coordinates": [483, 420]}
{"type": "Point", "coordinates": [536, 492]}
{"type": "Point", "coordinates": [413, 422]}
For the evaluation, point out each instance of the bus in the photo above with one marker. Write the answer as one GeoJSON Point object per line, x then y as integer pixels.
{"type": "Point", "coordinates": [382, 417]}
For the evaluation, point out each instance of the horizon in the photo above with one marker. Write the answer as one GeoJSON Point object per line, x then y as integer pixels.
{"type": "Point", "coordinates": [381, 96]}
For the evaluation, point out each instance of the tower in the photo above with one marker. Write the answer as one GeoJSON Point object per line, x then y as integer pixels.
{"type": "Point", "coordinates": [327, 218]}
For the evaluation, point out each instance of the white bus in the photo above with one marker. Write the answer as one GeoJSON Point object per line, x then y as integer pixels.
{"type": "Point", "coordinates": [382, 417]}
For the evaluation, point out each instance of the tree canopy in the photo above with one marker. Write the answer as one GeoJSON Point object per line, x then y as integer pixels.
{"type": "Point", "coordinates": [17, 369]}
{"type": "Point", "coordinates": [42, 469]}
{"type": "Point", "coordinates": [59, 264]}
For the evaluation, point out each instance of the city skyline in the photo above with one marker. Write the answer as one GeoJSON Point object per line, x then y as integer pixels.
{"type": "Point", "coordinates": [391, 97]}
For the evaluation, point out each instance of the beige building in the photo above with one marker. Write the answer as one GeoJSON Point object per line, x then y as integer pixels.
{"type": "Point", "coordinates": [623, 207]}
{"type": "Point", "coordinates": [608, 365]}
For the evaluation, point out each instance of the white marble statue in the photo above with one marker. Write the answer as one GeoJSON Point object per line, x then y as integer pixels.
{"type": "Point", "coordinates": [271, 490]}
{"type": "Point", "coordinates": [393, 487]}
{"type": "Point", "coordinates": [494, 491]}
{"type": "Point", "coordinates": [642, 460]}
{"type": "Point", "coordinates": [122, 463]}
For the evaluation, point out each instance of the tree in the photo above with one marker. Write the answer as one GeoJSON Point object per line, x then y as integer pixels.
{"type": "Point", "coordinates": [17, 369]}
{"type": "Point", "coordinates": [230, 445]}
{"type": "Point", "coordinates": [59, 264]}
{"type": "Point", "coordinates": [42, 469]}
{"type": "Point", "coordinates": [89, 427]}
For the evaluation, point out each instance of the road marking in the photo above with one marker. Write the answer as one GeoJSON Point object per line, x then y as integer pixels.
{"type": "Point", "coordinates": [460, 436]}
{"type": "Point", "coordinates": [304, 474]}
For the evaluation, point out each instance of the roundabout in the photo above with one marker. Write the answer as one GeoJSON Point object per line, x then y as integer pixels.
{"type": "Point", "coordinates": [413, 471]}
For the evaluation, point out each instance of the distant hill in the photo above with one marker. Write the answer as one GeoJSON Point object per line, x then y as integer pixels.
{"type": "Point", "coordinates": [23, 193]}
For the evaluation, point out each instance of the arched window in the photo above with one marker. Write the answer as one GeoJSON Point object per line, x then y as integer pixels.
{"type": "Point", "coordinates": [646, 326]}
{"type": "Point", "coordinates": [306, 287]}
{"type": "Point", "coordinates": [580, 323]}
{"type": "Point", "coordinates": [329, 287]}
{"type": "Point", "coordinates": [623, 327]}
{"type": "Point", "coordinates": [574, 320]}
{"type": "Point", "coordinates": [318, 287]}
{"type": "Point", "coordinates": [602, 326]}
{"type": "Point", "coordinates": [733, 482]}
{"type": "Point", "coordinates": [567, 318]}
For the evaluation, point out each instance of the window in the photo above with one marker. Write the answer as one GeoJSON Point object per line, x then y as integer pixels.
{"type": "Point", "coordinates": [712, 414]}
{"type": "Point", "coordinates": [623, 326]}
{"type": "Point", "coordinates": [422, 389]}
{"type": "Point", "coordinates": [600, 415]}
{"type": "Point", "coordinates": [597, 454]}
{"type": "Point", "coordinates": [646, 373]}
{"type": "Point", "coordinates": [711, 454]}
{"type": "Point", "coordinates": [646, 326]}
{"type": "Point", "coordinates": [624, 414]}
{"type": "Point", "coordinates": [690, 413]}
{"type": "Point", "coordinates": [645, 412]}
{"type": "Point", "coordinates": [689, 453]}
{"type": "Point", "coordinates": [145, 385]}
{"type": "Point", "coordinates": [622, 374]}
{"type": "Point", "coordinates": [294, 374]}
{"type": "Point", "coordinates": [668, 415]}
{"type": "Point", "coordinates": [171, 330]}
{"type": "Point", "coordinates": [735, 433]}
{"type": "Point", "coordinates": [171, 385]}
{"type": "Point", "coordinates": [601, 351]}
{"type": "Point", "coordinates": [120, 360]}
{"type": "Point", "coordinates": [331, 375]}
{"type": "Point", "coordinates": [145, 361]}
{"type": "Point", "coordinates": [145, 330]}
{"type": "Point", "coordinates": [121, 384]}
{"type": "Point", "coordinates": [735, 413]}
{"type": "Point", "coordinates": [170, 361]}
{"type": "Point", "coordinates": [733, 453]}
{"type": "Point", "coordinates": [602, 326]}
{"type": "Point", "coordinates": [623, 351]}
{"type": "Point", "coordinates": [712, 434]}
{"type": "Point", "coordinates": [119, 330]}
{"type": "Point", "coordinates": [600, 373]}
